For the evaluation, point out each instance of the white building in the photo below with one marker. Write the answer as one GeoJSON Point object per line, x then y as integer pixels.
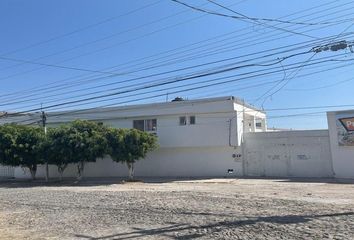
{"type": "Point", "coordinates": [196, 137]}
{"type": "Point", "coordinates": [215, 137]}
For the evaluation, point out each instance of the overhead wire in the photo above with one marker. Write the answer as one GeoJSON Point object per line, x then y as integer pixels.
{"type": "Point", "coordinates": [243, 18]}
{"type": "Point", "coordinates": [112, 94]}
{"type": "Point", "coordinates": [80, 29]}
{"type": "Point", "coordinates": [323, 4]}
{"type": "Point", "coordinates": [148, 76]}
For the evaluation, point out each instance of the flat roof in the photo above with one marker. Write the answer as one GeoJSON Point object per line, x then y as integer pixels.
{"type": "Point", "coordinates": [93, 110]}
{"type": "Point", "coordinates": [341, 111]}
{"type": "Point", "coordinates": [144, 105]}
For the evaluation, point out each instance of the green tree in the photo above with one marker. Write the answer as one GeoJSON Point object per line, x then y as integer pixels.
{"type": "Point", "coordinates": [7, 142]}
{"type": "Point", "coordinates": [21, 146]}
{"type": "Point", "coordinates": [85, 142]}
{"type": "Point", "coordinates": [59, 148]}
{"type": "Point", "coordinates": [28, 148]}
{"type": "Point", "coordinates": [129, 146]}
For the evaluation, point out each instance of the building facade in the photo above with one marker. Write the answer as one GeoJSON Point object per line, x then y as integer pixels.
{"type": "Point", "coordinates": [197, 138]}
{"type": "Point", "coordinates": [215, 137]}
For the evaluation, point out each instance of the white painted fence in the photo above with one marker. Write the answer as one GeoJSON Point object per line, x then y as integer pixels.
{"type": "Point", "coordinates": [6, 172]}
{"type": "Point", "coordinates": [288, 154]}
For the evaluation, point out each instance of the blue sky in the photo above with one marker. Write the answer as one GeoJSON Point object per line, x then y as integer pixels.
{"type": "Point", "coordinates": [60, 51]}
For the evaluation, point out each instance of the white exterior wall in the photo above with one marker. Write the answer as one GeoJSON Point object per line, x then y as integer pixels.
{"type": "Point", "coordinates": [288, 154]}
{"type": "Point", "coordinates": [343, 156]}
{"type": "Point", "coordinates": [165, 162]}
{"type": "Point", "coordinates": [209, 148]}
{"type": "Point", "coordinates": [211, 129]}
{"type": "Point", "coordinates": [6, 172]}
{"type": "Point", "coordinates": [214, 144]}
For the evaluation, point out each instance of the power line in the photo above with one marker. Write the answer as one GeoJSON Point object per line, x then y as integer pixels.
{"type": "Point", "coordinates": [53, 65]}
{"type": "Point", "coordinates": [212, 93]}
{"type": "Point", "coordinates": [243, 17]}
{"type": "Point", "coordinates": [163, 94]}
{"type": "Point", "coordinates": [65, 60]}
{"type": "Point", "coordinates": [80, 29]}
{"type": "Point", "coordinates": [113, 94]}
{"type": "Point", "coordinates": [218, 70]}
{"type": "Point", "coordinates": [193, 76]}
{"type": "Point", "coordinates": [190, 67]}
{"type": "Point", "coordinates": [321, 87]}
{"type": "Point", "coordinates": [333, 46]}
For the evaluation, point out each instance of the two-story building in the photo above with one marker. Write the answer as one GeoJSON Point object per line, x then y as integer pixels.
{"type": "Point", "coordinates": [196, 137]}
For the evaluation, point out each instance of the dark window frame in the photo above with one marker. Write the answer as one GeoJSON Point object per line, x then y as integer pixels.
{"type": "Point", "coordinates": [192, 122]}
{"type": "Point", "coordinates": [182, 120]}
{"type": "Point", "coordinates": [146, 125]}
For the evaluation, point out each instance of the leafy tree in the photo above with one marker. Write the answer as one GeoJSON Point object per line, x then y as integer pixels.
{"type": "Point", "coordinates": [59, 148]}
{"type": "Point", "coordinates": [7, 141]}
{"type": "Point", "coordinates": [129, 146]}
{"type": "Point", "coordinates": [21, 146]}
{"type": "Point", "coordinates": [84, 142]}
{"type": "Point", "coordinates": [28, 147]}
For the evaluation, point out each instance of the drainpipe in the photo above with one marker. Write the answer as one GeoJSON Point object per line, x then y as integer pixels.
{"type": "Point", "coordinates": [230, 128]}
{"type": "Point", "coordinates": [243, 141]}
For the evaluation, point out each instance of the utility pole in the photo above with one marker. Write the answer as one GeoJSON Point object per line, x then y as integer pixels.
{"type": "Point", "coordinates": [44, 122]}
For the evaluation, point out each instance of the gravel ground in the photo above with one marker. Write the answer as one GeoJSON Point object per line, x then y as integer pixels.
{"type": "Point", "coordinates": [204, 209]}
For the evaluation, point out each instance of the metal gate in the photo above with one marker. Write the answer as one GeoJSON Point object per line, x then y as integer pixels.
{"type": "Point", "coordinates": [288, 154]}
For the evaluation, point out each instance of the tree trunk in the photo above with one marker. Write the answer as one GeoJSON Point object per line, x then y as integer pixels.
{"type": "Point", "coordinates": [80, 170]}
{"type": "Point", "coordinates": [131, 170]}
{"type": "Point", "coordinates": [46, 172]}
{"type": "Point", "coordinates": [61, 169]}
{"type": "Point", "coordinates": [33, 170]}
{"type": "Point", "coordinates": [60, 175]}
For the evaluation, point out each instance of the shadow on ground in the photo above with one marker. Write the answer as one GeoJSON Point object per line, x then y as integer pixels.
{"type": "Point", "coordinates": [184, 230]}
{"type": "Point", "coordinates": [25, 183]}
{"type": "Point", "coordinates": [90, 181]}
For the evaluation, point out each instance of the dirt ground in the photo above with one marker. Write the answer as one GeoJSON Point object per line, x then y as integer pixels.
{"type": "Point", "coordinates": [180, 209]}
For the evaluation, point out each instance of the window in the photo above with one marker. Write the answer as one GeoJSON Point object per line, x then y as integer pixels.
{"type": "Point", "coordinates": [258, 123]}
{"type": "Point", "coordinates": [148, 125]}
{"type": "Point", "coordinates": [138, 124]}
{"type": "Point", "coordinates": [182, 121]}
{"type": "Point", "coordinates": [192, 120]}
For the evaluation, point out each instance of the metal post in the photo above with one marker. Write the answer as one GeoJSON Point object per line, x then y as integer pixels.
{"type": "Point", "coordinates": [44, 121]}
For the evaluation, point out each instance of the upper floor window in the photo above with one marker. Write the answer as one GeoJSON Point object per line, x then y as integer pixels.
{"type": "Point", "coordinates": [138, 124]}
{"type": "Point", "coordinates": [148, 125]}
{"type": "Point", "coordinates": [258, 123]}
{"type": "Point", "coordinates": [183, 120]}
{"type": "Point", "coordinates": [192, 120]}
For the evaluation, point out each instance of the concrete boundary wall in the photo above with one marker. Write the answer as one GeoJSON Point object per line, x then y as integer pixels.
{"type": "Point", "coordinates": [164, 162]}
{"type": "Point", "coordinates": [288, 154]}
{"type": "Point", "coordinates": [7, 172]}
{"type": "Point", "coordinates": [342, 156]}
